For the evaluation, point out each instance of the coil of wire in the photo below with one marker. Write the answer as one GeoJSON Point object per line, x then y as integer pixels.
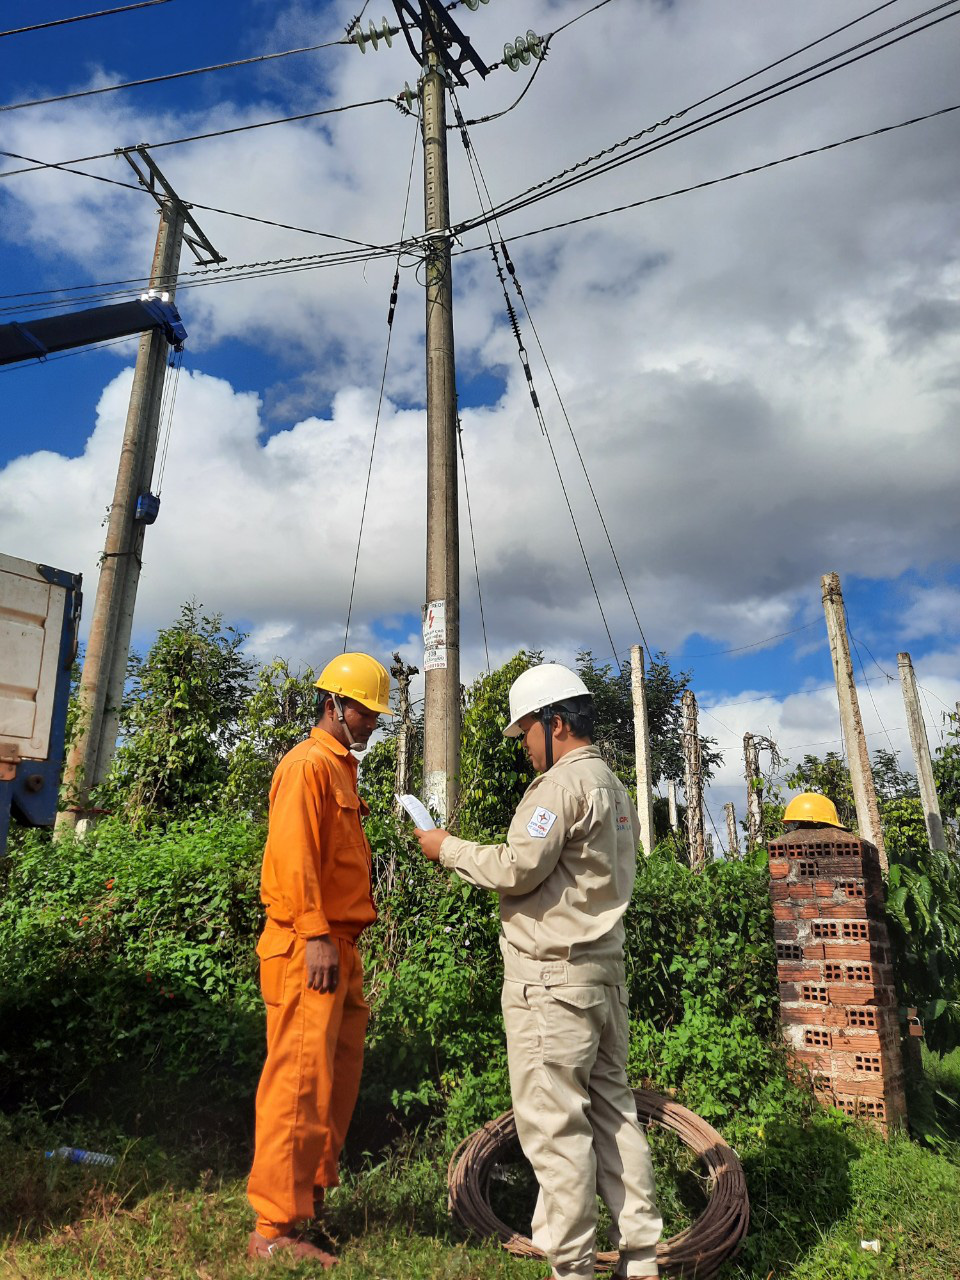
{"type": "Point", "coordinates": [698, 1251]}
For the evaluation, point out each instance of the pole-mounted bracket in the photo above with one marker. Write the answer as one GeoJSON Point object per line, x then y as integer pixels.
{"type": "Point", "coordinates": [433, 19]}
{"type": "Point", "coordinates": [158, 186]}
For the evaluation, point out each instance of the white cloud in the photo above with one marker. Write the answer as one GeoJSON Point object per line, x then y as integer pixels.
{"type": "Point", "coordinates": [761, 375]}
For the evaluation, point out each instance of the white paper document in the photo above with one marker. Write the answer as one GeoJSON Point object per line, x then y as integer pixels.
{"type": "Point", "coordinates": [418, 811]}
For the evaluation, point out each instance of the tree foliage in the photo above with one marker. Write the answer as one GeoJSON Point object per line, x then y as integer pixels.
{"type": "Point", "coordinates": [613, 698]}
{"type": "Point", "coordinates": [278, 713]}
{"type": "Point", "coordinates": [180, 720]}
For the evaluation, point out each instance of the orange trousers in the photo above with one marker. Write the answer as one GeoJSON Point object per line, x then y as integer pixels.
{"type": "Point", "coordinates": [310, 1079]}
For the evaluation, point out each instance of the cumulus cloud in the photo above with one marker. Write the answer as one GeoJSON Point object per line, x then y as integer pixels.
{"type": "Point", "coordinates": [761, 375]}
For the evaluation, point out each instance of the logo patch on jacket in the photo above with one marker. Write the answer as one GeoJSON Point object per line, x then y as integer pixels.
{"type": "Point", "coordinates": [623, 821]}
{"type": "Point", "coordinates": [541, 822]}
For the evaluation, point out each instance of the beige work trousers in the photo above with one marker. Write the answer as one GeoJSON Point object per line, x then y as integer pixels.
{"type": "Point", "coordinates": [577, 1124]}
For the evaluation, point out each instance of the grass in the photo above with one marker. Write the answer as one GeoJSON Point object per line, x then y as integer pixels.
{"type": "Point", "coordinates": [818, 1187]}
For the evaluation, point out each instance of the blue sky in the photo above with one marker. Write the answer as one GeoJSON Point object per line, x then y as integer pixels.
{"type": "Point", "coordinates": [761, 374]}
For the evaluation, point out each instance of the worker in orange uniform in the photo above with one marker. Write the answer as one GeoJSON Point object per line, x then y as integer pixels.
{"type": "Point", "coordinates": [316, 887]}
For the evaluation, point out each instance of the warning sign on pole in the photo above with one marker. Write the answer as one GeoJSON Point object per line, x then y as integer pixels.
{"type": "Point", "coordinates": [434, 635]}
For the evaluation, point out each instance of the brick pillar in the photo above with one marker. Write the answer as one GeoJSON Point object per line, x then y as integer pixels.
{"type": "Point", "coordinates": [838, 1006]}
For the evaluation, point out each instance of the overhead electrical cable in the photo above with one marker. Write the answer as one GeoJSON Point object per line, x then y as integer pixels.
{"type": "Point", "coordinates": [167, 406]}
{"type": "Point", "coordinates": [202, 137]}
{"type": "Point", "coordinates": [223, 274]}
{"type": "Point", "coordinates": [479, 179]}
{"type": "Point", "coordinates": [193, 204]}
{"type": "Point", "coordinates": [473, 539]}
{"type": "Point", "coordinates": [391, 312]}
{"type": "Point", "coordinates": [717, 93]}
{"type": "Point", "coordinates": [307, 262]}
{"type": "Point", "coordinates": [863, 672]}
{"type": "Point", "coordinates": [569, 179]}
{"type": "Point", "coordinates": [535, 400]}
{"type": "Point", "coordinates": [169, 75]}
{"type": "Point", "coordinates": [83, 17]}
{"type": "Point", "coordinates": [713, 182]}
{"type": "Point", "coordinates": [716, 653]}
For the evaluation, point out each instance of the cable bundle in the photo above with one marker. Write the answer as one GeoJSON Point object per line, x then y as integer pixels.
{"type": "Point", "coordinates": [698, 1251]}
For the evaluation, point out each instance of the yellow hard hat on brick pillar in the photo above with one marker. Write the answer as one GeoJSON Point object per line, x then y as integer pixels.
{"type": "Point", "coordinates": [810, 807]}
{"type": "Point", "coordinates": [360, 677]}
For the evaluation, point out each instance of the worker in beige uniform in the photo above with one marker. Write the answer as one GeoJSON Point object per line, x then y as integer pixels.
{"type": "Point", "coordinates": [564, 876]}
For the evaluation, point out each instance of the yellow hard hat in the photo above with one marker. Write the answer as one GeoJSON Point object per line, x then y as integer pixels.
{"type": "Point", "coordinates": [360, 677]}
{"type": "Point", "coordinates": [810, 807]}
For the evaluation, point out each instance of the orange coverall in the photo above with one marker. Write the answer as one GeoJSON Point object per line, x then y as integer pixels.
{"type": "Point", "coordinates": [315, 880]}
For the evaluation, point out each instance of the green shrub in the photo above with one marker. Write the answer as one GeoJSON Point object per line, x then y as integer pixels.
{"type": "Point", "coordinates": [131, 949]}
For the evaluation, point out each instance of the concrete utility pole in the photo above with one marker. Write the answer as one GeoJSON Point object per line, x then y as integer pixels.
{"type": "Point", "coordinates": [921, 753]}
{"type": "Point", "coordinates": [641, 738]}
{"type": "Point", "coordinates": [733, 840]}
{"type": "Point", "coordinates": [108, 645]}
{"type": "Point", "coordinates": [401, 672]}
{"type": "Point", "coordinates": [672, 805]}
{"type": "Point", "coordinates": [441, 625]}
{"type": "Point", "coordinates": [693, 782]}
{"type": "Point", "coordinates": [751, 769]}
{"type": "Point", "coordinates": [858, 758]}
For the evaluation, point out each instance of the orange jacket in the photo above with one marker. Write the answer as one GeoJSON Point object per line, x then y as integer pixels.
{"type": "Point", "coordinates": [317, 863]}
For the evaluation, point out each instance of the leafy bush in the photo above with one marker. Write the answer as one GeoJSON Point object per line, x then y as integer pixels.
{"type": "Point", "coordinates": [135, 950]}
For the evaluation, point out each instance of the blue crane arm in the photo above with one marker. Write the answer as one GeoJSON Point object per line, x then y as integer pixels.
{"type": "Point", "coordinates": [37, 338]}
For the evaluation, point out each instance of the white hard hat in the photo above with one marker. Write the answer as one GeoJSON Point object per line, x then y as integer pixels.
{"type": "Point", "coordinates": [541, 687]}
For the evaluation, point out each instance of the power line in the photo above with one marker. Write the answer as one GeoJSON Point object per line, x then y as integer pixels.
{"type": "Point", "coordinates": [202, 137]}
{"type": "Point", "coordinates": [525, 363]}
{"type": "Point", "coordinates": [383, 379]}
{"type": "Point", "coordinates": [313, 261]}
{"type": "Point", "coordinates": [553, 186]}
{"type": "Point", "coordinates": [170, 75]}
{"type": "Point", "coordinates": [676, 115]}
{"type": "Point", "coordinates": [688, 657]}
{"type": "Point", "coordinates": [474, 162]}
{"type": "Point", "coordinates": [473, 540]}
{"type": "Point", "coordinates": [193, 204]}
{"type": "Point", "coordinates": [713, 182]}
{"type": "Point", "coordinates": [83, 17]}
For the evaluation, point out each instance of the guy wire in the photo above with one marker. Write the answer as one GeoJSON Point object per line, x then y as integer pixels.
{"type": "Point", "coordinates": [383, 379]}
{"type": "Point", "coordinates": [472, 157]}
{"type": "Point", "coordinates": [473, 540]}
{"type": "Point", "coordinates": [524, 361]}
{"type": "Point", "coordinates": [177, 364]}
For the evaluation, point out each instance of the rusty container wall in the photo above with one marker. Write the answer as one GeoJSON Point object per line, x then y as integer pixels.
{"type": "Point", "coordinates": [838, 1006]}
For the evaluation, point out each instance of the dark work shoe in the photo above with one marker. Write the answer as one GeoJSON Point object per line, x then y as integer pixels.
{"type": "Point", "coordinates": [260, 1246]}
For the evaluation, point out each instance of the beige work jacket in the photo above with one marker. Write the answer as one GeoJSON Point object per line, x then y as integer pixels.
{"type": "Point", "coordinates": [564, 875]}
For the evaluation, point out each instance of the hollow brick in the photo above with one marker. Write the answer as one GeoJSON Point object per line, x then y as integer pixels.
{"type": "Point", "coordinates": [788, 972]}
{"type": "Point", "coordinates": [808, 1015]}
{"type": "Point", "coordinates": [779, 868]}
{"type": "Point", "coordinates": [859, 1086]}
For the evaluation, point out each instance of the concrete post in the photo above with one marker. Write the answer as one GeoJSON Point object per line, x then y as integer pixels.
{"type": "Point", "coordinates": [105, 660]}
{"type": "Point", "coordinates": [672, 805]}
{"type": "Point", "coordinates": [641, 737]}
{"type": "Point", "coordinates": [754, 778]}
{"type": "Point", "coordinates": [693, 783]}
{"type": "Point", "coordinates": [921, 753]}
{"type": "Point", "coordinates": [858, 758]}
{"type": "Point", "coordinates": [441, 738]}
{"type": "Point", "coordinates": [733, 840]}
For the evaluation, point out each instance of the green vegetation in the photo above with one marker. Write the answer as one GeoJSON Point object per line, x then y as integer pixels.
{"type": "Point", "coordinates": [132, 1022]}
